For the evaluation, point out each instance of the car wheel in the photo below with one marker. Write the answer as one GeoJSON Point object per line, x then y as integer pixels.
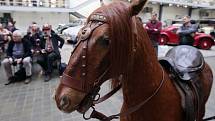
{"type": "Point", "coordinates": [205, 44]}
{"type": "Point", "coordinates": [163, 40]}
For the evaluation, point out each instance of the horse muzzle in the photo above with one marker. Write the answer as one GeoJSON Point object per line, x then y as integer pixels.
{"type": "Point", "coordinates": [66, 105]}
{"type": "Point", "coordinates": [68, 99]}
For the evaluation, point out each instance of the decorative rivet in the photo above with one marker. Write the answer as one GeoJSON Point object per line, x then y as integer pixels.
{"type": "Point", "coordinates": [83, 65]}
{"type": "Point", "coordinates": [84, 47]}
{"type": "Point", "coordinates": [83, 74]}
{"type": "Point", "coordinates": [83, 57]}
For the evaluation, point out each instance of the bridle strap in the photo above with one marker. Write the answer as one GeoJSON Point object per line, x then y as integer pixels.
{"type": "Point", "coordinates": [67, 79]}
{"type": "Point", "coordinates": [108, 95]}
{"type": "Point", "coordinates": [97, 115]}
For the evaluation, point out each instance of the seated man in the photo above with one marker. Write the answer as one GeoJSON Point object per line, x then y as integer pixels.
{"type": "Point", "coordinates": [18, 52]}
{"type": "Point", "coordinates": [34, 35]}
{"type": "Point", "coordinates": [50, 50]}
{"type": "Point", "coordinates": [186, 32]}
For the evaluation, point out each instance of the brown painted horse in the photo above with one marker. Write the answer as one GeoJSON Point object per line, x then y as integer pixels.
{"type": "Point", "coordinates": [114, 43]}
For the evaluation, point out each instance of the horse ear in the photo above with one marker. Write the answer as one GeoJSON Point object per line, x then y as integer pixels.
{"type": "Point", "coordinates": [136, 6]}
{"type": "Point", "coordinates": [102, 3]}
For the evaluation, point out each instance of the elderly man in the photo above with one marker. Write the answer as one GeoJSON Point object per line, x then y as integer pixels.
{"type": "Point", "coordinates": [50, 50]}
{"type": "Point", "coordinates": [34, 35]}
{"type": "Point", "coordinates": [186, 32]}
{"type": "Point", "coordinates": [18, 52]}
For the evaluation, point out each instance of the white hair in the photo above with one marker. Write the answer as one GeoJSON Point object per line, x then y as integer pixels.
{"type": "Point", "coordinates": [18, 33]}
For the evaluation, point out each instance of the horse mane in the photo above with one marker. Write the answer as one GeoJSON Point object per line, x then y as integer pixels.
{"type": "Point", "coordinates": [126, 35]}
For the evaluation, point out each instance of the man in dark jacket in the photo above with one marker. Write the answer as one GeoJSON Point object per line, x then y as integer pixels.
{"type": "Point", "coordinates": [18, 52]}
{"type": "Point", "coordinates": [186, 32]}
{"type": "Point", "coordinates": [153, 28]}
{"type": "Point", "coordinates": [33, 36]}
{"type": "Point", "coordinates": [50, 50]}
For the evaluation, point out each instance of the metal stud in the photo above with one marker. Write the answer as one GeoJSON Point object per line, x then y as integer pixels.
{"type": "Point", "coordinates": [83, 74]}
{"type": "Point", "coordinates": [83, 65]}
{"type": "Point", "coordinates": [84, 47]}
{"type": "Point", "coordinates": [83, 57]}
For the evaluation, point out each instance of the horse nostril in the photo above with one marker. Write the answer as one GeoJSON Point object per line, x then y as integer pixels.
{"type": "Point", "coordinates": [84, 31]}
{"type": "Point", "coordinates": [64, 102]}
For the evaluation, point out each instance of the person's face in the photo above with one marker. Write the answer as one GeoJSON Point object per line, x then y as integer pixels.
{"type": "Point", "coordinates": [47, 32]}
{"type": "Point", "coordinates": [1, 26]}
{"type": "Point", "coordinates": [34, 27]}
{"type": "Point", "coordinates": [10, 24]}
{"type": "Point", "coordinates": [154, 17]}
{"type": "Point", "coordinates": [17, 38]}
{"type": "Point", "coordinates": [186, 20]}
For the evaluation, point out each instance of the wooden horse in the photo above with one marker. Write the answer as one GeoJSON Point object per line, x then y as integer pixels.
{"type": "Point", "coordinates": [114, 45]}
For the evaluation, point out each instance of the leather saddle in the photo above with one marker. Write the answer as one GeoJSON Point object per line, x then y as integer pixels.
{"type": "Point", "coordinates": [185, 60]}
{"type": "Point", "coordinates": [184, 64]}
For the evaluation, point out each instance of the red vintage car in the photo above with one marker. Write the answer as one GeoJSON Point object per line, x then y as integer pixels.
{"type": "Point", "coordinates": [169, 37]}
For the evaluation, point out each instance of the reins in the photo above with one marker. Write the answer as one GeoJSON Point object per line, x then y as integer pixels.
{"type": "Point", "coordinates": [97, 115]}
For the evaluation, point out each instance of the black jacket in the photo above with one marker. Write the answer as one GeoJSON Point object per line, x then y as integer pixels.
{"type": "Point", "coordinates": [26, 45]}
{"type": "Point", "coordinates": [54, 38]}
{"type": "Point", "coordinates": [33, 39]}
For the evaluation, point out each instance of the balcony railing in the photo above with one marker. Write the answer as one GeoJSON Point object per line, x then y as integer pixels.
{"type": "Point", "coordinates": [35, 3]}
{"type": "Point", "coordinates": [191, 3]}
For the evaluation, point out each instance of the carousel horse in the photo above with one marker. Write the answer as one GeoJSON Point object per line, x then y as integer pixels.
{"type": "Point", "coordinates": [113, 45]}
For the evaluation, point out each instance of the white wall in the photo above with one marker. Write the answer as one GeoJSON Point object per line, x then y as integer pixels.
{"type": "Point", "coordinates": [24, 19]}
{"type": "Point", "coordinates": [146, 16]}
{"type": "Point", "coordinates": [173, 12]}
{"type": "Point", "coordinates": [195, 14]}
{"type": "Point", "coordinates": [88, 9]}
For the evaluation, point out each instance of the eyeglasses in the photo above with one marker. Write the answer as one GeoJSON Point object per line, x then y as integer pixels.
{"type": "Point", "coordinates": [16, 36]}
{"type": "Point", "coordinates": [46, 29]}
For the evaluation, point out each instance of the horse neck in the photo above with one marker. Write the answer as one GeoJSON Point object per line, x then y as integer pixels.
{"type": "Point", "coordinates": [145, 76]}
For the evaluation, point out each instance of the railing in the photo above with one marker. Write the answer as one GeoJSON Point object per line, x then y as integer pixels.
{"type": "Point", "coordinates": [35, 3]}
{"type": "Point", "coordinates": [193, 3]}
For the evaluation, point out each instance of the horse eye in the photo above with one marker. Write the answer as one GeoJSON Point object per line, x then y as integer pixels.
{"type": "Point", "coordinates": [104, 41]}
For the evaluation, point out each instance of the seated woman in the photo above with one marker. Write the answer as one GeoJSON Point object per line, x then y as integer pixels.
{"type": "Point", "coordinates": [18, 52]}
{"type": "Point", "coordinates": [3, 37]}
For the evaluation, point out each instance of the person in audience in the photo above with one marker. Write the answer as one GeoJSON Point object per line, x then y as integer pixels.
{"type": "Point", "coordinates": [3, 37]}
{"type": "Point", "coordinates": [18, 52]}
{"type": "Point", "coordinates": [34, 36]}
{"type": "Point", "coordinates": [153, 27]}
{"type": "Point", "coordinates": [50, 50]}
{"type": "Point", "coordinates": [186, 32]}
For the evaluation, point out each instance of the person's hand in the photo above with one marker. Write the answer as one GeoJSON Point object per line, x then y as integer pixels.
{"type": "Point", "coordinates": [11, 60]}
{"type": "Point", "coordinates": [177, 32]}
{"type": "Point", "coordinates": [43, 51]}
{"type": "Point", "coordinates": [32, 50]}
{"type": "Point", "coordinates": [19, 60]}
{"type": "Point", "coordinates": [192, 34]}
{"type": "Point", "coordinates": [37, 52]}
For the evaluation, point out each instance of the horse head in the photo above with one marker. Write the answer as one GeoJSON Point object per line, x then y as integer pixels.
{"type": "Point", "coordinates": [102, 53]}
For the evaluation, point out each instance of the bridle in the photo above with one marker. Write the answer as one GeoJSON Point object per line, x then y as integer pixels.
{"type": "Point", "coordinates": [93, 96]}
